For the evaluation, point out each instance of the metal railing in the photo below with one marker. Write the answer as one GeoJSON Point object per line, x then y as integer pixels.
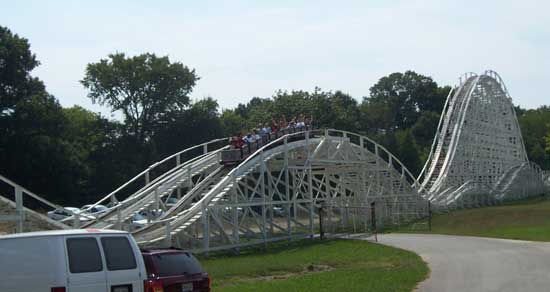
{"type": "Point", "coordinates": [145, 174]}
{"type": "Point", "coordinates": [22, 195]}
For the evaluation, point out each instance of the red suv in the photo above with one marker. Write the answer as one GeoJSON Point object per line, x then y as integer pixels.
{"type": "Point", "coordinates": [171, 270]}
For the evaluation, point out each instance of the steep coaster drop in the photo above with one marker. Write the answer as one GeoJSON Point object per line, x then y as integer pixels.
{"type": "Point", "coordinates": [478, 156]}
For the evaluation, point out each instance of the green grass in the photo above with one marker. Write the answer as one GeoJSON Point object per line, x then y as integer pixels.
{"type": "Point", "coordinates": [526, 220]}
{"type": "Point", "coordinates": [314, 265]}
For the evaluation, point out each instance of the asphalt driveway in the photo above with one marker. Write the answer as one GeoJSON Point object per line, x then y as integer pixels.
{"type": "Point", "coordinates": [462, 263]}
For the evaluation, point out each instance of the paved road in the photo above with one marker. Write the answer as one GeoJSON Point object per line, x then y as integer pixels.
{"type": "Point", "coordinates": [462, 263]}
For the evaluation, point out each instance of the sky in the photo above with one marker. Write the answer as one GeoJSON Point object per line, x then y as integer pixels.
{"type": "Point", "coordinates": [242, 49]}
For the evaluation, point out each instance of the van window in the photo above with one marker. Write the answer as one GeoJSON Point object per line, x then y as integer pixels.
{"type": "Point", "coordinates": [84, 256]}
{"type": "Point", "coordinates": [175, 264]}
{"type": "Point", "coordinates": [119, 253]}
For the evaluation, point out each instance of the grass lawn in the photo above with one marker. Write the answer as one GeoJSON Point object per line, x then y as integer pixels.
{"type": "Point", "coordinates": [314, 265]}
{"type": "Point", "coordinates": [526, 220]}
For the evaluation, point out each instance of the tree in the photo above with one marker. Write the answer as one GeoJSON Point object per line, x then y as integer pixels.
{"type": "Point", "coordinates": [34, 150]}
{"type": "Point", "coordinates": [535, 126]}
{"type": "Point", "coordinates": [16, 63]}
{"type": "Point", "coordinates": [407, 151]}
{"type": "Point", "coordinates": [292, 104]}
{"type": "Point", "coordinates": [344, 112]}
{"type": "Point", "coordinates": [114, 159]}
{"type": "Point", "coordinates": [256, 111]}
{"type": "Point", "coordinates": [287, 104]}
{"type": "Point", "coordinates": [42, 146]}
{"type": "Point", "coordinates": [375, 117]}
{"type": "Point", "coordinates": [536, 153]}
{"type": "Point", "coordinates": [145, 88]}
{"type": "Point", "coordinates": [334, 110]}
{"type": "Point", "coordinates": [232, 123]}
{"type": "Point", "coordinates": [84, 129]}
{"type": "Point", "coordinates": [187, 128]}
{"type": "Point", "coordinates": [397, 101]}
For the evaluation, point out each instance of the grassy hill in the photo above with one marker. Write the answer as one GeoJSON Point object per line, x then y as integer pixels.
{"type": "Point", "coordinates": [526, 220]}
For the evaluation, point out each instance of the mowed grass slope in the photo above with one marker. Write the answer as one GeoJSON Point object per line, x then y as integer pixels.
{"type": "Point", "coordinates": [314, 265]}
{"type": "Point", "coordinates": [526, 220]}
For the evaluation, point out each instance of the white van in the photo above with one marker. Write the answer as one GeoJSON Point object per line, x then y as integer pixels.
{"type": "Point", "coordinates": [71, 261]}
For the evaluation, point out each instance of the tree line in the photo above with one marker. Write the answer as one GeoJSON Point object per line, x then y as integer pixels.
{"type": "Point", "coordinates": [72, 155]}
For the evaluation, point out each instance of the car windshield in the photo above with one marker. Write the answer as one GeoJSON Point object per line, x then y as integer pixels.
{"type": "Point", "coordinates": [72, 209]}
{"type": "Point", "coordinates": [138, 217]}
{"type": "Point", "coordinates": [95, 208]}
{"type": "Point", "coordinates": [176, 264]}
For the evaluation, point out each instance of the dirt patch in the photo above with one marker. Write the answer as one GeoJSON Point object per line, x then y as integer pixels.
{"type": "Point", "coordinates": [6, 228]}
{"type": "Point", "coordinates": [309, 269]}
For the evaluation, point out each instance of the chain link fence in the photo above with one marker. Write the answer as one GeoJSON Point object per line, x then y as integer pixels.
{"type": "Point", "coordinates": [339, 219]}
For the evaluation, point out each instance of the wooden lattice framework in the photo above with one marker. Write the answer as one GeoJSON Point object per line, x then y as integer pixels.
{"type": "Point", "coordinates": [478, 156]}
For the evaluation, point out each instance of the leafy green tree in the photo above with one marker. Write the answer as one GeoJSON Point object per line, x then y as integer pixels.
{"type": "Point", "coordinates": [199, 123]}
{"type": "Point", "coordinates": [335, 110]}
{"type": "Point", "coordinates": [294, 103]}
{"type": "Point", "coordinates": [42, 146]}
{"type": "Point", "coordinates": [375, 117]}
{"type": "Point", "coordinates": [84, 129]}
{"type": "Point", "coordinates": [16, 63]}
{"type": "Point", "coordinates": [35, 153]}
{"type": "Point", "coordinates": [145, 88]}
{"type": "Point", "coordinates": [536, 153]}
{"type": "Point", "coordinates": [519, 110]}
{"type": "Point", "coordinates": [535, 126]}
{"type": "Point", "coordinates": [232, 123]}
{"type": "Point", "coordinates": [397, 101]}
{"type": "Point", "coordinates": [92, 137]}
{"type": "Point", "coordinates": [345, 112]}
{"type": "Point", "coordinates": [115, 159]}
{"type": "Point", "coordinates": [407, 151]}
{"type": "Point", "coordinates": [289, 105]}
{"type": "Point", "coordinates": [257, 111]}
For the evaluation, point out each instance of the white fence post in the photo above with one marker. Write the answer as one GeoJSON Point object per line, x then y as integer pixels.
{"type": "Point", "coordinates": [118, 218]}
{"type": "Point", "coordinates": [206, 229]}
{"type": "Point", "coordinates": [168, 234]}
{"type": "Point", "coordinates": [20, 212]}
{"type": "Point", "coordinates": [147, 177]}
{"type": "Point", "coordinates": [76, 220]}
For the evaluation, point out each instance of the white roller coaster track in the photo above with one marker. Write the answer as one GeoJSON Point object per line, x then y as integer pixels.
{"type": "Point", "coordinates": [151, 195]}
{"type": "Point", "coordinates": [174, 173]}
{"type": "Point", "coordinates": [478, 156]}
{"type": "Point", "coordinates": [294, 175]}
{"type": "Point", "coordinates": [272, 195]}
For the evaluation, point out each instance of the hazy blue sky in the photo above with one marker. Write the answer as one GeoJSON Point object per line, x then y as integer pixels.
{"type": "Point", "coordinates": [242, 49]}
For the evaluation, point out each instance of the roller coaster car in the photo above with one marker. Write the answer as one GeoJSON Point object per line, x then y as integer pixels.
{"type": "Point", "coordinates": [233, 157]}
